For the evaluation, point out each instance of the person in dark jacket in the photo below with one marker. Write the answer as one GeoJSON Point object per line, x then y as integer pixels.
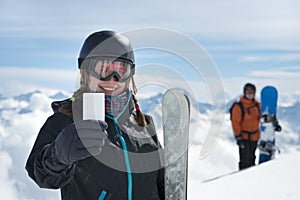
{"type": "Point", "coordinates": [245, 124]}
{"type": "Point", "coordinates": [118, 158]}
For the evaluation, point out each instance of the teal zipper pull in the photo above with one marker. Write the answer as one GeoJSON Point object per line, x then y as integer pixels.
{"type": "Point", "coordinates": [102, 195]}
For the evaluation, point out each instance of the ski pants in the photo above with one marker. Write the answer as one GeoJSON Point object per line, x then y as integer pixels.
{"type": "Point", "coordinates": [247, 154]}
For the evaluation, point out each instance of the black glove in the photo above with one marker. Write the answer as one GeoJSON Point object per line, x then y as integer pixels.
{"type": "Point", "coordinates": [239, 141]}
{"type": "Point", "coordinates": [277, 128]}
{"type": "Point", "coordinates": [80, 140]}
{"type": "Point", "coordinates": [262, 145]}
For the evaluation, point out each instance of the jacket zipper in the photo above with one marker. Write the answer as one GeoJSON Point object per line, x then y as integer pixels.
{"type": "Point", "coordinates": [127, 162]}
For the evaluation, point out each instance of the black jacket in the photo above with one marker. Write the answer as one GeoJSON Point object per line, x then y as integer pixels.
{"type": "Point", "coordinates": [123, 172]}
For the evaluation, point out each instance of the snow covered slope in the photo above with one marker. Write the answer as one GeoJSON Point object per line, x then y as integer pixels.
{"type": "Point", "coordinates": [277, 180]}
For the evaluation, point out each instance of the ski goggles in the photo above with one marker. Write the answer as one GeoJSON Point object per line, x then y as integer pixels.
{"type": "Point", "coordinates": [106, 68]}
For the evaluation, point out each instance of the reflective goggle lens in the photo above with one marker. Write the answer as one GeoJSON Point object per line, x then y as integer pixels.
{"type": "Point", "coordinates": [105, 69]}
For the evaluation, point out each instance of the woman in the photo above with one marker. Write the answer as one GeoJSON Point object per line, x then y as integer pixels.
{"type": "Point", "coordinates": [89, 159]}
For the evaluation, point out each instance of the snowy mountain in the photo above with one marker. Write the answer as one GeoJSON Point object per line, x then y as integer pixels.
{"type": "Point", "coordinates": [22, 116]}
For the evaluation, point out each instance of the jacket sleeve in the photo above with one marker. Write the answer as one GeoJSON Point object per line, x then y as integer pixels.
{"type": "Point", "coordinates": [161, 183]}
{"type": "Point", "coordinates": [42, 164]}
{"type": "Point", "coordinates": [236, 120]}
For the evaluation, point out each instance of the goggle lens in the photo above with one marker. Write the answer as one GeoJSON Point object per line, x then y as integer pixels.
{"type": "Point", "coordinates": [105, 69]}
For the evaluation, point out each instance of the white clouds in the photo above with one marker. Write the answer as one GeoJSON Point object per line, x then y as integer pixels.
{"type": "Point", "coordinates": [289, 57]}
{"type": "Point", "coordinates": [291, 68]}
{"type": "Point", "coordinates": [20, 121]}
{"type": "Point", "coordinates": [11, 103]}
{"type": "Point", "coordinates": [256, 22]}
{"type": "Point", "coordinates": [285, 73]}
{"type": "Point", "coordinates": [271, 57]}
{"type": "Point", "coordinates": [15, 80]}
{"type": "Point", "coordinates": [227, 28]}
{"type": "Point", "coordinates": [254, 58]}
{"type": "Point", "coordinates": [39, 102]}
{"type": "Point", "coordinates": [7, 183]}
{"type": "Point", "coordinates": [285, 82]}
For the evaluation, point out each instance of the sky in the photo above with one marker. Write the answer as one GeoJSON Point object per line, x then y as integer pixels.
{"type": "Point", "coordinates": [247, 41]}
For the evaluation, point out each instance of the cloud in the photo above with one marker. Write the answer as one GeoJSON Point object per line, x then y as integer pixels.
{"type": "Point", "coordinates": [7, 183]}
{"type": "Point", "coordinates": [283, 73]}
{"type": "Point", "coordinates": [18, 132]}
{"type": "Point", "coordinates": [288, 93]}
{"type": "Point", "coordinates": [15, 80]}
{"type": "Point", "coordinates": [291, 68]}
{"type": "Point", "coordinates": [290, 57]}
{"type": "Point", "coordinates": [254, 58]}
{"type": "Point", "coordinates": [251, 21]}
{"type": "Point", "coordinates": [271, 57]}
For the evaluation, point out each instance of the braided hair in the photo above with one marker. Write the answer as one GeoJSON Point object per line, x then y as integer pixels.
{"type": "Point", "coordinates": [140, 117]}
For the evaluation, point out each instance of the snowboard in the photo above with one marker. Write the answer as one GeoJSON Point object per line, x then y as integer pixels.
{"type": "Point", "coordinates": [268, 121]}
{"type": "Point", "coordinates": [176, 117]}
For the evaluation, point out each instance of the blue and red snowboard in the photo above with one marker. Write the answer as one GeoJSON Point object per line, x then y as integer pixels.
{"type": "Point", "coordinates": [269, 124]}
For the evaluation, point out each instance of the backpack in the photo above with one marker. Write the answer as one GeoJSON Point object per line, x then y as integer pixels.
{"type": "Point", "coordinates": [242, 109]}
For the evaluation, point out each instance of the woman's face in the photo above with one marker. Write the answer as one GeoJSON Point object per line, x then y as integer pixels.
{"type": "Point", "coordinates": [110, 87]}
{"type": "Point", "coordinates": [114, 75]}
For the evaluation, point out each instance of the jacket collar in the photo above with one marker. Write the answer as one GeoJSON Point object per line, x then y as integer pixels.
{"type": "Point", "coordinates": [247, 102]}
{"type": "Point", "coordinates": [127, 111]}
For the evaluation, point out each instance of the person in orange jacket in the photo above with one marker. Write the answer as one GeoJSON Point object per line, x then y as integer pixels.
{"type": "Point", "coordinates": [245, 124]}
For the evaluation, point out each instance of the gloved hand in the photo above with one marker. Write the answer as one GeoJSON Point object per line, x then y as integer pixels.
{"type": "Point", "coordinates": [80, 140]}
{"type": "Point", "coordinates": [239, 141]}
{"type": "Point", "coordinates": [277, 128]}
{"type": "Point", "coordinates": [262, 145]}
